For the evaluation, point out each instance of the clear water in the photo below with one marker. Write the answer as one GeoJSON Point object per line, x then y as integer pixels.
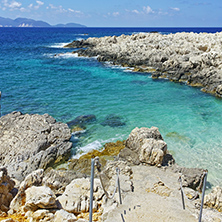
{"type": "Point", "coordinates": [33, 80]}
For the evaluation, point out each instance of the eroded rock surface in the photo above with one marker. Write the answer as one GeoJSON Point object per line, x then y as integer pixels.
{"type": "Point", "coordinates": [29, 142]}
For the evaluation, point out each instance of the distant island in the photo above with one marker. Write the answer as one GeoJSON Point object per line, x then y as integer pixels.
{"type": "Point", "coordinates": [25, 22]}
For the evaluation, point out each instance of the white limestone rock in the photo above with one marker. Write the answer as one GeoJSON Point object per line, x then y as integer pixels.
{"type": "Point", "coordinates": [76, 195]}
{"type": "Point", "coordinates": [39, 197]}
{"type": "Point", "coordinates": [64, 216]}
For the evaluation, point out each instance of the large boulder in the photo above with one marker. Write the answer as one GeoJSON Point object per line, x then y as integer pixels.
{"type": "Point", "coordinates": [144, 145]}
{"type": "Point", "coordinates": [75, 199]}
{"type": "Point", "coordinates": [39, 198]}
{"type": "Point", "coordinates": [29, 142]}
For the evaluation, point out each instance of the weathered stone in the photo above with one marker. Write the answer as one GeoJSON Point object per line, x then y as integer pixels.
{"type": "Point", "coordinates": [145, 145]}
{"type": "Point", "coordinates": [152, 152]}
{"type": "Point", "coordinates": [130, 156]}
{"type": "Point", "coordinates": [33, 179]}
{"type": "Point", "coordinates": [214, 199]}
{"type": "Point", "coordinates": [42, 215]}
{"type": "Point", "coordinates": [191, 177]}
{"type": "Point", "coordinates": [76, 192]}
{"type": "Point", "coordinates": [137, 136]}
{"type": "Point", "coordinates": [29, 142]}
{"type": "Point", "coordinates": [64, 216]}
{"type": "Point", "coordinates": [219, 91]}
{"type": "Point", "coordinates": [57, 180]}
{"type": "Point", "coordinates": [39, 197]}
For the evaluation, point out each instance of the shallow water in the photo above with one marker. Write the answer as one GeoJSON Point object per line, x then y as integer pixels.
{"type": "Point", "coordinates": [33, 80]}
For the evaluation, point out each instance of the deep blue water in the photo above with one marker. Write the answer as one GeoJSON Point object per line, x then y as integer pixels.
{"type": "Point", "coordinates": [33, 80]}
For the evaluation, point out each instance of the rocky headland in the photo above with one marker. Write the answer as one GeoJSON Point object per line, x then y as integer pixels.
{"type": "Point", "coordinates": [195, 59]}
{"type": "Point", "coordinates": [33, 189]}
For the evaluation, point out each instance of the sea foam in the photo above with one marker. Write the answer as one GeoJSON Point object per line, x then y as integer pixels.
{"type": "Point", "coordinates": [59, 45]}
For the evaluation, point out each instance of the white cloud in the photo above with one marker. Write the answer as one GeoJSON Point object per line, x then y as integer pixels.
{"type": "Point", "coordinates": [135, 11]}
{"type": "Point", "coordinates": [71, 10]}
{"type": "Point", "coordinates": [39, 3]}
{"type": "Point", "coordinates": [22, 9]}
{"type": "Point", "coordinates": [175, 9]}
{"type": "Point", "coordinates": [115, 14]}
{"type": "Point", "coordinates": [12, 5]}
{"type": "Point", "coordinates": [60, 9]}
{"type": "Point", "coordinates": [147, 9]}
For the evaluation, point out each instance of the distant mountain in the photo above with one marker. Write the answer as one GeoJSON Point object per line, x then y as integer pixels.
{"type": "Point", "coordinates": [25, 22]}
{"type": "Point", "coordinates": [70, 25]}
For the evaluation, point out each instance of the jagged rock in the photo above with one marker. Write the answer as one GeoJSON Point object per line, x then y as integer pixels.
{"type": "Point", "coordinates": [152, 152]}
{"type": "Point", "coordinates": [6, 187]}
{"type": "Point", "coordinates": [137, 136]}
{"type": "Point", "coordinates": [191, 177]}
{"type": "Point", "coordinates": [144, 145]}
{"type": "Point", "coordinates": [57, 180]}
{"type": "Point", "coordinates": [130, 156]}
{"type": "Point", "coordinates": [39, 197]}
{"type": "Point", "coordinates": [33, 179]}
{"type": "Point", "coordinates": [76, 196]}
{"type": "Point", "coordinates": [214, 199]}
{"type": "Point", "coordinates": [42, 215]}
{"type": "Point", "coordinates": [109, 176]}
{"type": "Point", "coordinates": [64, 216]}
{"type": "Point", "coordinates": [30, 142]}
{"type": "Point", "coordinates": [219, 91]}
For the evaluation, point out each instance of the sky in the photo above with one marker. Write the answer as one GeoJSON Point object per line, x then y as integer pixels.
{"type": "Point", "coordinates": [118, 13]}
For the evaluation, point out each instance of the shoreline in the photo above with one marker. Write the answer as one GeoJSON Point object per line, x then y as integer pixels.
{"type": "Point", "coordinates": [35, 189]}
{"type": "Point", "coordinates": [190, 58]}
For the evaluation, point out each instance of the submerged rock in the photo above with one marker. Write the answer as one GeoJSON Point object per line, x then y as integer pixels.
{"type": "Point", "coordinates": [81, 121]}
{"type": "Point", "coordinates": [113, 120]}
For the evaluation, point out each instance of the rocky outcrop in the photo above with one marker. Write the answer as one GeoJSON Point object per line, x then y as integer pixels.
{"type": "Point", "coordinates": [38, 202]}
{"type": "Point", "coordinates": [145, 145]}
{"type": "Point", "coordinates": [29, 142]}
{"type": "Point", "coordinates": [182, 57]}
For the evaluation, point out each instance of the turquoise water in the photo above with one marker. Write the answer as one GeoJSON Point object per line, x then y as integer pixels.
{"type": "Point", "coordinates": [33, 80]}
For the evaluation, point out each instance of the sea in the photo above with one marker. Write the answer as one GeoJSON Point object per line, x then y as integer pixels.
{"type": "Point", "coordinates": [39, 75]}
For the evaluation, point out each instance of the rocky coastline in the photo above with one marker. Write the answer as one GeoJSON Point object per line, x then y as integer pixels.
{"type": "Point", "coordinates": [191, 58]}
{"type": "Point", "coordinates": [33, 189]}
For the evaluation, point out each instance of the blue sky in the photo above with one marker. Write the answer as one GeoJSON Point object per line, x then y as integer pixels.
{"type": "Point", "coordinates": [118, 13]}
